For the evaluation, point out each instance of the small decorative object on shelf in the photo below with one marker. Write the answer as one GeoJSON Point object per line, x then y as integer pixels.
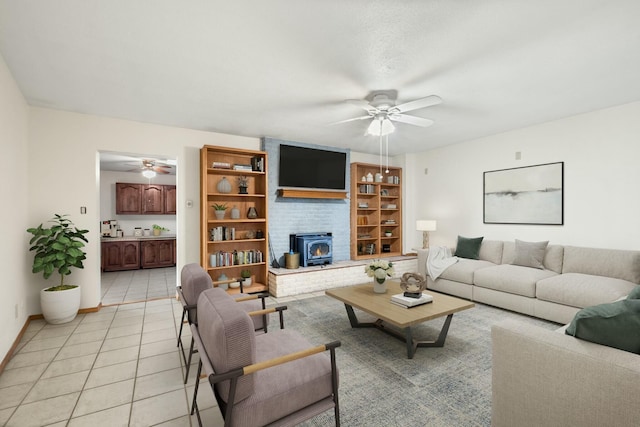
{"type": "Point", "coordinates": [219, 209]}
{"type": "Point", "coordinates": [388, 233]}
{"type": "Point", "coordinates": [224, 186]}
{"type": "Point", "coordinates": [378, 177]}
{"type": "Point", "coordinates": [235, 213]}
{"type": "Point", "coordinates": [369, 177]}
{"type": "Point", "coordinates": [250, 234]}
{"type": "Point", "coordinates": [379, 269]}
{"type": "Point", "coordinates": [243, 184]}
{"type": "Point", "coordinates": [259, 234]}
{"type": "Point", "coordinates": [246, 275]}
{"type": "Point", "coordinates": [252, 213]}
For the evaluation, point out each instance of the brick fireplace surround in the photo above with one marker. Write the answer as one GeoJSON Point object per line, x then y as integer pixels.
{"type": "Point", "coordinates": [289, 282]}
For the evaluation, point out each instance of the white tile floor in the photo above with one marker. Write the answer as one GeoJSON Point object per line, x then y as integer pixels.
{"type": "Point", "coordinates": [117, 367]}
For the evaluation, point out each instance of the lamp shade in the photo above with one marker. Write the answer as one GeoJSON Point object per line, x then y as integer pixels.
{"type": "Point", "coordinates": [148, 173]}
{"type": "Point", "coordinates": [425, 225]}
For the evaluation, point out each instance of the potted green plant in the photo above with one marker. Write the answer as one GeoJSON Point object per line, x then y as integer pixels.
{"type": "Point", "coordinates": [219, 209]}
{"type": "Point", "coordinates": [157, 229]}
{"type": "Point", "coordinates": [246, 275]}
{"type": "Point", "coordinates": [57, 249]}
{"type": "Point", "coordinates": [388, 233]}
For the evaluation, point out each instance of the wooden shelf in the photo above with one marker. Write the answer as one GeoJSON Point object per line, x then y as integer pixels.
{"type": "Point", "coordinates": [311, 194]}
{"type": "Point", "coordinates": [371, 220]}
{"type": "Point", "coordinates": [256, 197]}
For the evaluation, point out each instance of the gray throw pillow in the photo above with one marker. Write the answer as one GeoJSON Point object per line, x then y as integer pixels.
{"type": "Point", "coordinates": [468, 247]}
{"type": "Point", "coordinates": [615, 325]}
{"type": "Point", "coordinates": [530, 254]}
{"type": "Point", "coordinates": [635, 293]}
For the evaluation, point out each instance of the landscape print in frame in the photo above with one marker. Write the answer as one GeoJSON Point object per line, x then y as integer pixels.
{"type": "Point", "coordinates": [526, 195]}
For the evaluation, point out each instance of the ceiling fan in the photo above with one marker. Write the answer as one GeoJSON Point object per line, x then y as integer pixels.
{"type": "Point", "coordinates": [149, 165]}
{"type": "Point", "coordinates": [382, 110]}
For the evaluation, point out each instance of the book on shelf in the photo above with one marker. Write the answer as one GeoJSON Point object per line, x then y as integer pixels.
{"type": "Point", "coordinates": [228, 258]}
{"type": "Point", "coordinates": [408, 302]}
{"type": "Point", "coordinates": [221, 165]}
{"type": "Point", "coordinates": [241, 167]}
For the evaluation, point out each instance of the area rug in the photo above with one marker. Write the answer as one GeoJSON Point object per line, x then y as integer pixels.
{"type": "Point", "coordinates": [379, 386]}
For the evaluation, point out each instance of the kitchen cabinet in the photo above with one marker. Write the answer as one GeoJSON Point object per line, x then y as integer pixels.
{"type": "Point", "coordinates": [145, 199]}
{"type": "Point", "coordinates": [157, 253]}
{"type": "Point", "coordinates": [122, 255]}
{"type": "Point", "coordinates": [128, 198]}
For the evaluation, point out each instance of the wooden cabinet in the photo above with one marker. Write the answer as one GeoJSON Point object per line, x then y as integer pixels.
{"type": "Point", "coordinates": [376, 212]}
{"type": "Point", "coordinates": [145, 199]}
{"type": "Point", "coordinates": [128, 199]}
{"type": "Point", "coordinates": [123, 255]}
{"type": "Point", "coordinates": [230, 245]}
{"type": "Point", "coordinates": [157, 253]}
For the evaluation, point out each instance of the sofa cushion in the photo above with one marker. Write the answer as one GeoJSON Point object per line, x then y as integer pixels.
{"type": "Point", "coordinates": [462, 271]}
{"type": "Point", "coordinates": [468, 247]}
{"type": "Point", "coordinates": [513, 279]}
{"type": "Point", "coordinates": [620, 264]}
{"type": "Point", "coordinates": [553, 256]}
{"type": "Point", "coordinates": [614, 325]}
{"type": "Point", "coordinates": [530, 254]}
{"type": "Point", "coordinates": [635, 293]}
{"type": "Point", "coordinates": [491, 250]}
{"type": "Point", "coordinates": [581, 290]}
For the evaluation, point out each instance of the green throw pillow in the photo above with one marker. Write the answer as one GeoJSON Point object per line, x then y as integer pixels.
{"type": "Point", "coordinates": [614, 325]}
{"type": "Point", "coordinates": [530, 254]}
{"type": "Point", "coordinates": [635, 293]}
{"type": "Point", "coordinates": [468, 248]}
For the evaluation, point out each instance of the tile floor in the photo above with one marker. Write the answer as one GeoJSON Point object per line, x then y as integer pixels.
{"type": "Point", "coordinates": [117, 367]}
{"type": "Point", "coordinates": [137, 285]}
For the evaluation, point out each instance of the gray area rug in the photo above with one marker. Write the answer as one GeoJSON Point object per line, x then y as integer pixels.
{"type": "Point", "coordinates": [379, 386]}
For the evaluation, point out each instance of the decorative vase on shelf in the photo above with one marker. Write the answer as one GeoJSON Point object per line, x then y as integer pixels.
{"type": "Point", "coordinates": [224, 186]}
{"type": "Point", "coordinates": [235, 213]}
{"type": "Point", "coordinates": [252, 213]}
{"type": "Point", "coordinates": [379, 285]}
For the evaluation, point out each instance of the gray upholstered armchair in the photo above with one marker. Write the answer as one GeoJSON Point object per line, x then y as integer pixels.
{"type": "Point", "coordinates": [193, 280]}
{"type": "Point", "coordinates": [259, 379]}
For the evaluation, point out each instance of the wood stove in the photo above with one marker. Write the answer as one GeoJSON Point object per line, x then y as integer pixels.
{"type": "Point", "coordinates": [314, 248]}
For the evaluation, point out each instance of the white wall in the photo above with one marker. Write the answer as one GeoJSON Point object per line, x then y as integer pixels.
{"type": "Point", "coordinates": [15, 260]}
{"type": "Point", "coordinates": [601, 155]}
{"type": "Point", "coordinates": [127, 223]}
{"type": "Point", "coordinates": [64, 170]}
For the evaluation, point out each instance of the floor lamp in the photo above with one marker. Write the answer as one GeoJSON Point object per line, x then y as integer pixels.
{"type": "Point", "coordinates": [425, 226]}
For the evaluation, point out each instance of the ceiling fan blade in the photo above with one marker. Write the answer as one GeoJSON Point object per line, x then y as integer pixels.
{"type": "Point", "coordinates": [351, 120]}
{"type": "Point", "coordinates": [412, 120]}
{"type": "Point", "coordinates": [158, 170]}
{"type": "Point", "coordinates": [418, 103]}
{"type": "Point", "coordinates": [363, 104]}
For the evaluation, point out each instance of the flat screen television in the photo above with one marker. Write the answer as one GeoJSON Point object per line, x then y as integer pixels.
{"type": "Point", "coordinates": [312, 168]}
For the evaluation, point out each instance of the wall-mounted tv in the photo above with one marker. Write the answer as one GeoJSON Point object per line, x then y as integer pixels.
{"type": "Point", "coordinates": [312, 168]}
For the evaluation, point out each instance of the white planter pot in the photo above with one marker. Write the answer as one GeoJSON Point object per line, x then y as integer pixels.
{"type": "Point", "coordinates": [247, 282]}
{"type": "Point", "coordinates": [60, 306]}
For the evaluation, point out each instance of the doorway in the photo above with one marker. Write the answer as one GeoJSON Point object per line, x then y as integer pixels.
{"type": "Point", "coordinates": [135, 263]}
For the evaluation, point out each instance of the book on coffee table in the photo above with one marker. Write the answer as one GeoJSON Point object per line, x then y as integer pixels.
{"type": "Point", "coordinates": [408, 302]}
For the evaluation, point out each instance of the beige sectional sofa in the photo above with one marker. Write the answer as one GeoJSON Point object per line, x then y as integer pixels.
{"type": "Point", "coordinates": [572, 278]}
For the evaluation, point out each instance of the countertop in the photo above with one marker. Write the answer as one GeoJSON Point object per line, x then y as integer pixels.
{"type": "Point", "coordinates": [138, 238]}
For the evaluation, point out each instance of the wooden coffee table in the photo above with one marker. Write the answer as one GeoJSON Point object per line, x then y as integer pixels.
{"type": "Point", "coordinates": [379, 305]}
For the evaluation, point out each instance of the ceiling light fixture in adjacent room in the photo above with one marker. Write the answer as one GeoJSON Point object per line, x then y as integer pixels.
{"type": "Point", "coordinates": [148, 173]}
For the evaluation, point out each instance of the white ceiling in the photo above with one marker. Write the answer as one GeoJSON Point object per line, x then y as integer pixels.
{"type": "Point", "coordinates": [284, 68]}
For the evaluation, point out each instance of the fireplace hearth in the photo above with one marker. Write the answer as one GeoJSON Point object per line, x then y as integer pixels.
{"type": "Point", "coordinates": [314, 248]}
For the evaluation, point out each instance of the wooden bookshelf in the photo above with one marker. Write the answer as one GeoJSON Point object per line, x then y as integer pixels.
{"type": "Point", "coordinates": [376, 212]}
{"type": "Point", "coordinates": [236, 244]}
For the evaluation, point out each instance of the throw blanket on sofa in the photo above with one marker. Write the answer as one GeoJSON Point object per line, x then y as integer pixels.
{"type": "Point", "coordinates": [439, 260]}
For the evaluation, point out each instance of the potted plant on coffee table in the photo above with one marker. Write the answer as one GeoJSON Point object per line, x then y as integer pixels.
{"type": "Point", "coordinates": [57, 249]}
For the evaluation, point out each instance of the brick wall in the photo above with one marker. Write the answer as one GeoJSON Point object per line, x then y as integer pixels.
{"type": "Point", "coordinates": [289, 216]}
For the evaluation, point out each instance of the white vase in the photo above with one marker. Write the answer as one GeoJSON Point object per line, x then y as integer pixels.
{"type": "Point", "coordinates": [379, 288]}
{"type": "Point", "coordinates": [60, 306]}
{"type": "Point", "coordinates": [235, 213]}
{"type": "Point", "coordinates": [224, 186]}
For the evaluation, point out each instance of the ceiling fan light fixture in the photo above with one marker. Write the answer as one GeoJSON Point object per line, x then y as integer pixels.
{"type": "Point", "coordinates": [147, 173]}
{"type": "Point", "coordinates": [380, 127]}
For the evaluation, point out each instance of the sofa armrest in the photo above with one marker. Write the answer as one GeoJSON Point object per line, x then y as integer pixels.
{"type": "Point", "coordinates": [542, 377]}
